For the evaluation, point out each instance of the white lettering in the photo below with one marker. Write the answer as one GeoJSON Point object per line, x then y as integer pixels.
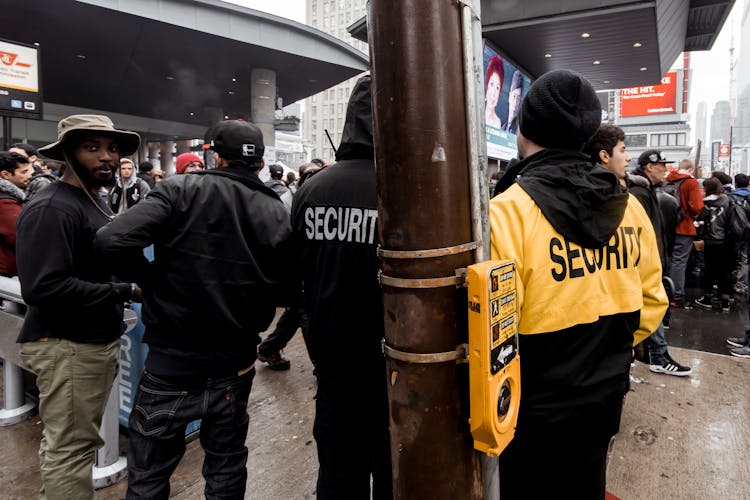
{"type": "Point", "coordinates": [355, 219]}
{"type": "Point", "coordinates": [310, 229]}
{"type": "Point", "coordinates": [345, 224]}
{"type": "Point", "coordinates": [329, 233]}
{"type": "Point", "coordinates": [319, 211]}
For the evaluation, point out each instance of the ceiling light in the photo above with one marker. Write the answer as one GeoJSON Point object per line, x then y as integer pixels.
{"type": "Point", "coordinates": [169, 77]}
{"type": "Point", "coordinates": [226, 117]}
{"type": "Point", "coordinates": [637, 44]}
{"type": "Point", "coordinates": [231, 92]}
{"type": "Point", "coordinates": [597, 62]}
{"type": "Point", "coordinates": [606, 81]}
{"type": "Point", "coordinates": [234, 79]}
{"type": "Point", "coordinates": [81, 56]}
{"type": "Point", "coordinates": [644, 68]}
{"type": "Point", "coordinates": [585, 35]}
{"type": "Point", "coordinates": [547, 55]}
{"type": "Point", "coordinates": [192, 114]}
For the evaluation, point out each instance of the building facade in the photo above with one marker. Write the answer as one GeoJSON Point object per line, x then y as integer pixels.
{"type": "Point", "coordinates": [326, 111]}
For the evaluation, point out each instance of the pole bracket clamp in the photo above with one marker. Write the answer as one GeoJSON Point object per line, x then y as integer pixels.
{"type": "Point", "coordinates": [460, 355]}
{"type": "Point", "coordinates": [427, 254]}
{"type": "Point", "coordinates": [458, 280]}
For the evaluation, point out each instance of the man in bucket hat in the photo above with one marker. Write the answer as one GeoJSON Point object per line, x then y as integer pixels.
{"type": "Point", "coordinates": [71, 334]}
{"type": "Point", "coordinates": [218, 236]}
{"type": "Point", "coordinates": [589, 287]}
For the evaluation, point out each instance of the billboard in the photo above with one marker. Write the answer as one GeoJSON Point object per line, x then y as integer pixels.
{"type": "Point", "coordinates": [650, 99]}
{"type": "Point", "coordinates": [20, 85]}
{"type": "Point", "coordinates": [504, 88]}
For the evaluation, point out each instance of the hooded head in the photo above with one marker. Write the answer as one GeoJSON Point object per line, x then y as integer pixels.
{"type": "Point", "coordinates": [356, 139]}
{"type": "Point", "coordinates": [560, 111]}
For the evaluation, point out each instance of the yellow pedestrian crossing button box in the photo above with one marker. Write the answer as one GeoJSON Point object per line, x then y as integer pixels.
{"type": "Point", "coordinates": [494, 363]}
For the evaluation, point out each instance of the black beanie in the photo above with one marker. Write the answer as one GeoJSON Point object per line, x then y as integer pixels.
{"type": "Point", "coordinates": [560, 111]}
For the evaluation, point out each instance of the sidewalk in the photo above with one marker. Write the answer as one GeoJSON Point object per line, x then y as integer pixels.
{"type": "Point", "coordinates": [686, 438]}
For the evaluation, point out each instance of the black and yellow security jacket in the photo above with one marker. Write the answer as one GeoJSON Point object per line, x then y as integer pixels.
{"type": "Point", "coordinates": [589, 284]}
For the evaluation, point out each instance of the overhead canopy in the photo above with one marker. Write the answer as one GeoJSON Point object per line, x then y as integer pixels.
{"type": "Point", "coordinates": [635, 43]}
{"type": "Point", "coordinates": [181, 61]}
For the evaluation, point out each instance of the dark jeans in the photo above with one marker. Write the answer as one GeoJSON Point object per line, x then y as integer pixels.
{"type": "Point", "coordinates": [719, 260]}
{"type": "Point", "coordinates": [163, 408]}
{"type": "Point", "coordinates": [292, 318]}
{"type": "Point", "coordinates": [351, 432]}
{"type": "Point", "coordinates": [561, 458]}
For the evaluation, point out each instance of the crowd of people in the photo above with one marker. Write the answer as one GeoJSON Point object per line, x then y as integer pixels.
{"type": "Point", "coordinates": [617, 245]}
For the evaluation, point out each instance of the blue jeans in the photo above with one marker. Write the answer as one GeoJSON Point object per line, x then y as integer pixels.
{"type": "Point", "coordinates": [656, 344]}
{"type": "Point", "coordinates": [163, 408]}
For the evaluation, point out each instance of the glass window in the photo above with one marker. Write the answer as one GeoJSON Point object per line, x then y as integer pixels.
{"type": "Point", "coordinates": [340, 123]}
{"type": "Point", "coordinates": [654, 140]}
{"type": "Point", "coordinates": [315, 124]}
{"type": "Point", "coordinates": [314, 110]}
{"type": "Point", "coordinates": [636, 141]}
{"type": "Point", "coordinates": [681, 139]}
{"type": "Point", "coordinates": [672, 140]}
{"type": "Point", "coordinates": [330, 108]}
{"type": "Point", "coordinates": [341, 108]}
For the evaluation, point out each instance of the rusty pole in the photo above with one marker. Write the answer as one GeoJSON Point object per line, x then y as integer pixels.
{"type": "Point", "coordinates": [426, 235]}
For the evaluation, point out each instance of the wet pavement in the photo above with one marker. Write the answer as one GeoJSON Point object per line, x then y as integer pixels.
{"type": "Point", "coordinates": [681, 437]}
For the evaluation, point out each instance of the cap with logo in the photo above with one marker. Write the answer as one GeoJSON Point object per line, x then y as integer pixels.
{"type": "Point", "coordinates": [276, 171]}
{"type": "Point", "coordinates": [651, 156]}
{"type": "Point", "coordinates": [237, 140]}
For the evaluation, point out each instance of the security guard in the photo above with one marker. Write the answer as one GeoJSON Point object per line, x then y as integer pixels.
{"type": "Point", "coordinates": [589, 288]}
{"type": "Point", "coordinates": [334, 215]}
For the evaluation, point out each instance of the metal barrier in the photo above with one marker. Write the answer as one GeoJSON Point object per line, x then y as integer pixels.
{"type": "Point", "coordinates": [109, 466]}
{"type": "Point", "coordinates": [15, 408]}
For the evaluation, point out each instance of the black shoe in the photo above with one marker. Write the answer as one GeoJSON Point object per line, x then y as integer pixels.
{"type": "Point", "coordinates": [671, 367]}
{"type": "Point", "coordinates": [705, 302]}
{"type": "Point", "coordinates": [275, 361]}
{"type": "Point", "coordinates": [738, 341]}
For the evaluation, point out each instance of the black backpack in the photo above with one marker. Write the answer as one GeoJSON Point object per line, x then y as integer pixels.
{"type": "Point", "coordinates": [672, 188]}
{"type": "Point", "coordinates": [738, 219]}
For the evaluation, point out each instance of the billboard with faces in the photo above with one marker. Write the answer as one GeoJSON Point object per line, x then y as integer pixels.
{"type": "Point", "coordinates": [504, 88]}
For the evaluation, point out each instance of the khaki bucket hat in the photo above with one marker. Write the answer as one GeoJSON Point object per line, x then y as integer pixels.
{"type": "Point", "coordinates": [127, 141]}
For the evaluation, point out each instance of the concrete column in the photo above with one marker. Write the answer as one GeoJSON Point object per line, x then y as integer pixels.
{"type": "Point", "coordinates": [183, 146]}
{"type": "Point", "coordinates": [165, 157]}
{"type": "Point", "coordinates": [153, 153]}
{"type": "Point", "coordinates": [263, 103]}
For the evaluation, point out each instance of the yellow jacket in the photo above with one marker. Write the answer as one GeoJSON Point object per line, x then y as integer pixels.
{"type": "Point", "coordinates": [561, 284]}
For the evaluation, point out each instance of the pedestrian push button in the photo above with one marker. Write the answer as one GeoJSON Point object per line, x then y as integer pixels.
{"type": "Point", "coordinates": [494, 362]}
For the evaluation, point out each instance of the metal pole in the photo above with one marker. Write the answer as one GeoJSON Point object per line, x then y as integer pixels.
{"type": "Point", "coordinates": [699, 143]}
{"type": "Point", "coordinates": [730, 150]}
{"type": "Point", "coordinates": [7, 132]}
{"type": "Point", "coordinates": [477, 142]}
{"type": "Point", "coordinates": [109, 466]}
{"type": "Point", "coordinates": [424, 204]}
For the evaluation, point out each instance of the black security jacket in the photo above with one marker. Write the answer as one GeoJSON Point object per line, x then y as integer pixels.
{"type": "Point", "coordinates": [70, 292]}
{"type": "Point", "coordinates": [220, 251]}
{"type": "Point", "coordinates": [334, 218]}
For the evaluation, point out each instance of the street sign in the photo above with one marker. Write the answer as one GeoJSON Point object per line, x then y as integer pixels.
{"type": "Point", "coordinates": [20, 80]}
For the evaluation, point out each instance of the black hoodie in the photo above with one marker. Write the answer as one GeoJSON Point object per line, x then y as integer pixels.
{"type": "Point", "coordinates": [334, 219]}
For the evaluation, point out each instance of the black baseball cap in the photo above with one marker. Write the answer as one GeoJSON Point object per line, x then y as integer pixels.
{"type": "Point", "coordinates": [236, 140]}
{"type": "Point", "coordinates": [651, 156]}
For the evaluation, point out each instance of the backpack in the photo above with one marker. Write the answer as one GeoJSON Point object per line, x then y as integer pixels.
{"type": "Point", "coordinates": [738, 222]}
{"type": "Point", "coordinates": [672, 188]}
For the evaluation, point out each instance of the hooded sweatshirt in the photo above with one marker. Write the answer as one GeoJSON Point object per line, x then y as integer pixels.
{"type": "Point", "coordinates": [334, 219]}
{"type": "Point", "coordinates": [691, 201]}
{"type": "Point", "coordinates": [135, 190]}
{"type": "Point", "coordinates": [589, 277]}
{"type": "Point", "coordinates": [11, 198]}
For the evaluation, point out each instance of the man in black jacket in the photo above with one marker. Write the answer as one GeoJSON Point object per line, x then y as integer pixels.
{"type": "Point", "coordinates": [212, 288]}
{"type": "Point", "coordinates": [650, 174]}
{"type": "Point", "coordinates": [71, 334]}
{"type": "Point", "coordinates": [334, 216]}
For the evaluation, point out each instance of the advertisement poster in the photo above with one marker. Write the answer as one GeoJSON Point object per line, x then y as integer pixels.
{"type": "Point", "coordinates": [504, 89]}
{"type": "Point", "coordinates": [650, 99]}
{"type": "Point", "coordinates": [20, 94]}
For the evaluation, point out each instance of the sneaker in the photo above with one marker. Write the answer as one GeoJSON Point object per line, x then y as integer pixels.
{"type": "Point", "coordinates": [740, 352]}
{"type": "Point", "coordinates": [738, 341]}
{"type": "Point", "coordinates": [275, 361]}
{"type": "Point", "coordinates": [678, 304]}
{"type": "Point", "coordinates": [671, 367]}
{"type": "Point", "coordinates": [705, 302]}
